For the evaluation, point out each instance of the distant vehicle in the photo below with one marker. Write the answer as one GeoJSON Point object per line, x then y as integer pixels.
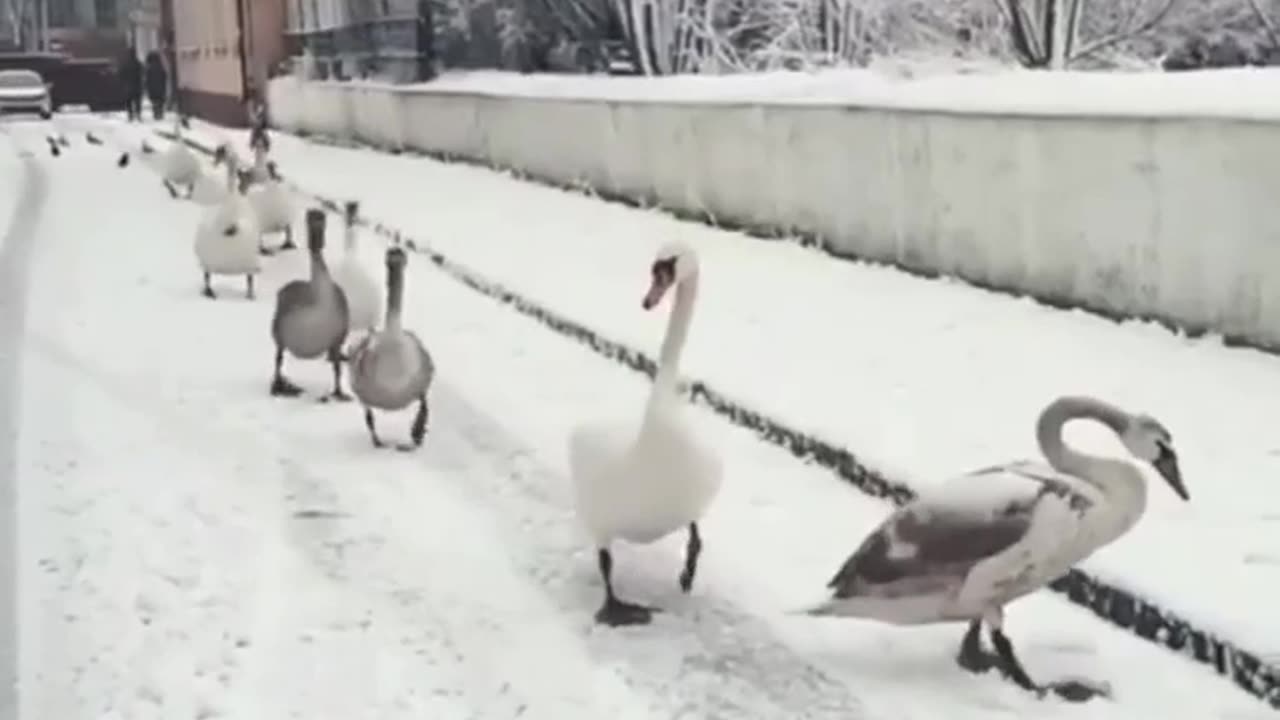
{"type": "Point", "coordinates": [25, 91]}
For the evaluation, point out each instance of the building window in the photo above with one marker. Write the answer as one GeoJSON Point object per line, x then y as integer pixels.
{"type": "Point", "coordinates": [106, 13]}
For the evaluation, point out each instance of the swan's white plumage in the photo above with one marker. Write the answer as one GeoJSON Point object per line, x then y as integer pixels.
{"type": "Point", "coordinates": [180, 165]}
{"type": "Point", "coordinates": [1012, 529]}
{"type": "Point", "coordinates": [969, 546]}
{"type": "Point", "coordinates": [273, 204]}
{"type": "Point", "coordinates": [640, 482]}
{"type": "Point", "coordinates": [364, 294]}
{"type": "Point", "coordinates": [223, 254]}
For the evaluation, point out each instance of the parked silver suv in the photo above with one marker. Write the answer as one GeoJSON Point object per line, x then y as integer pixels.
{"type": "Point", "coordinates": [25, 91]}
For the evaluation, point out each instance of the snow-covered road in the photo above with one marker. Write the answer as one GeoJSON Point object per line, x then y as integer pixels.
{"type": "Point", "coordinates": [191, 547]}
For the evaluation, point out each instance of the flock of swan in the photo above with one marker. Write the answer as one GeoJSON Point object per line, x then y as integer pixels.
{"type": "Point", "coordinates": [959, 553]}
{"type": "Point", "coordinates": [336, 315]}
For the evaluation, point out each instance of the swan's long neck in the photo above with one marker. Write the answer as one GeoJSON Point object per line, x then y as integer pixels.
{"type": "Point", "coordinates": [395, 298]}
{"type": "Point", "coordinates": [1119, 480]}
{"type": "Point", "coordinates": [319, 269]}
{"type": "Point", "coordinates": [349, 239]}
{"type": "Point", "coordinates": [664, 382]}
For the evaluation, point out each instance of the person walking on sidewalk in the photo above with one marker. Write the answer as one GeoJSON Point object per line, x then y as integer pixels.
{"type": "Point", "coordinates": [130, 72]}
{"type": "Point", "coordinates": [157, 83]}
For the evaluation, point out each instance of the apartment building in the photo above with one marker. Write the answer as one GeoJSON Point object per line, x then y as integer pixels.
{"type": "Point", "coordinates": [222, 49]}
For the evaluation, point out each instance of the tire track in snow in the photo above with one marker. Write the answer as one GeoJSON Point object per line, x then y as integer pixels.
{"type": "Point", "coordinates": [15, 253]}
{"type": "Point", "coordinates": [229, 449]}
{"type": "Point", "coordinates": [706, 660]}
{"type": "Point", "coordinates": [427, 637]}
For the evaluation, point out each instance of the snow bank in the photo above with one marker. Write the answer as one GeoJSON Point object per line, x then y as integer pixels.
{"type": "Point", "coordinates": [1130, 194]}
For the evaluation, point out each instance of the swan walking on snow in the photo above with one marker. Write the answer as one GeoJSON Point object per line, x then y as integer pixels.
{"type": "Point", "coordinates": [270, 197]}
{"type": "Point", "coordinates": [179, 163]}
{"type": "Point", "coordinates": [364, 297]}
{"type": "Point", "coordinates": [227, 238]}
{"type": "Point", "coordinates": [390, 369]}
{"type": "Point", "coordinates": [310, 318]}
{"type": "Point", "coordinates": [274, 206]}
{"type": "Point", "coordinates": [640, 484]}
{"type": "Point", "coordinates": [982, 540]}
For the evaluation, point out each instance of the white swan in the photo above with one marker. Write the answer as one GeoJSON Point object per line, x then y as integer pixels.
{"type": "Point", "coordinates": [981, 540]}
{"type": "Point", "coordinates": [179, 164]}
{"type": "Point", "coordinates": [390, 368]}
{"type": "Point", "coordinates": [274, 206]}
{"type": "Point", "coordinates": [310, 318]}
{"type": "Point", "coordinates": [227, 237]}
{"type": "Point", "coordinates": [364, 297]}
{"type": "Point", "coordinates": [640, 484]}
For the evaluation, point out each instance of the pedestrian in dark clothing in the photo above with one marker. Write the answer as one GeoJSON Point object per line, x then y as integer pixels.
{"type": "Point", "coordinates": [130, 72]}
{"type": "Point", "coordinates": [157, 83]}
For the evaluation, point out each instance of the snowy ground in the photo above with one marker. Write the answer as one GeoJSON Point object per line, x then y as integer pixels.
{"type": "Point", "coordinates": [191, 547]}
{"type": "Point", "coordinates": [10, 175]}
{"type": "Point", "coordinates": [919, 378]}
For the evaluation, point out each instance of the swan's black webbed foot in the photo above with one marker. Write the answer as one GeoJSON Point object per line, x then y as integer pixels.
{"type": "Point", "coordinates": [972, 656]}
{"type": "Point", "coordinates": [1069, 690]}
{"type": "Point", "coordinates": [615, 612]}
{"type": "Point", "coordinates": [282, 387]}
{"type": "Point", "coordinates": [373, 431]}
{"type": "Point", "coordinates": [208, 288]}
{"type": "Point", "coordinates": [620, 613]}
{"type": "Point", "coordinates": [337, 395]}
{"type": "Point", "coordinates": [288, 244]}
{"type": "Point", "coordinates": [1078, 691]}
{"type": "Point", "coordinates": [230, 230]}
{"type": "Point", "coordinates": [265, 251]}
{"type": "Point", "coordinates": [173, 191]}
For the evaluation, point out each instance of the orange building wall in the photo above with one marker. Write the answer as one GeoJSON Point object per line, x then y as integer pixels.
{"type": "Point", "coordinates": [212, 65]}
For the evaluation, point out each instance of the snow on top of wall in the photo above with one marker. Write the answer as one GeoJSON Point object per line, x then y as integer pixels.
{"type": "Point", "coordinates": [1244, 93]}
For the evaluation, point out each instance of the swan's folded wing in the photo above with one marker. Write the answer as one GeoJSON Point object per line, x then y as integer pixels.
{"type": "Point", "coordinates": [921, 542]}
{"type": "Point", "coordinates": [1020, 482]}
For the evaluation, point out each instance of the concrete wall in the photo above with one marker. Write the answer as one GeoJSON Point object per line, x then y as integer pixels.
{"type": "Point", "coordinates": [1165, 217]}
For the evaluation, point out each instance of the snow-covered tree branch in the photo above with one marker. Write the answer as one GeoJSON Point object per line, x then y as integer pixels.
{"type": "Point", "coordinates": [17, 14]}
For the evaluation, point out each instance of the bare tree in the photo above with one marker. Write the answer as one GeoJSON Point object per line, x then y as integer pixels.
{"type": "Point", "coordinates": [1046, 33]}
{"type": "Point", "coordinates": [18, 14]}
{"type": "Point", "coordinates": [1265, 12]}
{"type": "Point", "coordinates": [756, 35]}
{"type": "Point", "coordinates": [677, 36]}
